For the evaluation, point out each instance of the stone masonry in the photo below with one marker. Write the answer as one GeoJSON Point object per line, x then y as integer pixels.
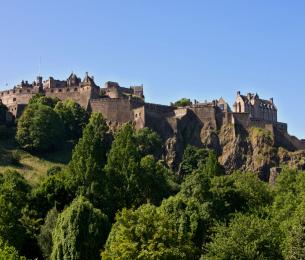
{"type": "Point", "coordinates": [127, 104]}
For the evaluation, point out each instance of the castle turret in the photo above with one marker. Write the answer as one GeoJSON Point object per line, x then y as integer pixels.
{"type": "Point", "coordinates": [73, 80]}
{"type": "Point", "coordinates": [88, 90]}
{"type": "Point", "coordinates": [88, 81]}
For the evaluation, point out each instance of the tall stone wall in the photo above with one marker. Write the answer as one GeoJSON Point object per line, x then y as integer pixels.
{"type": "Point", "coordinates": [241, 119]}
{"type": "Point", "coordinates": [206, 114]}
{"type": "Point", "coordinates": [19, 96]}
{"type": "Point", "coordinates": [116, 109]}
{"type": "Point", "coordinates": [160, 109]}
{"type": "Point", "coordinates": [64, 93]}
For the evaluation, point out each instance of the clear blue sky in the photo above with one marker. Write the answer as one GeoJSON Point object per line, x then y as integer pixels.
{"type": "Point", "coordinates": [196, 49]}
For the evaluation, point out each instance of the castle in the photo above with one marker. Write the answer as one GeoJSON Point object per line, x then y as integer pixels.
{"type": "Point", "coordinates": [120, 104]}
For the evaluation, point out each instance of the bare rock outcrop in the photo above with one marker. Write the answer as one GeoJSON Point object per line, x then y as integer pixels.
{"type": "Point", "coordinates": [254, 150]}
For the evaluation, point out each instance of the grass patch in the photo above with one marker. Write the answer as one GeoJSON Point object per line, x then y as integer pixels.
{"type": "Point", "coordinates": [32, 166]}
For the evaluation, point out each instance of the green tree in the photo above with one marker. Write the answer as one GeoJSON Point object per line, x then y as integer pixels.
{"type": "Point", "coordinates": [40, 99]}
{"type": "Point", "coordinates": [174, 230]}
{"type": "Point", "coordinates": [149, 142]}
{"type": "Point", "coordinates": [294, 241]}
{"type": "Point", "coordinates": [288, 194]}
{"type": "Point", "coordinates": [212, 166]}
{"type": "Point", "coordinates": [80, 231]}
{"type": "Point", "coordinates": [238, 192]}
{"type": "Point", "coordinates": [14, 193]}
{"type": "Point", "coordinates": [288, 211]}
{"type": "Point", "coordinates": [73, 116]}
{"type": "Point", "coordinates": [183, 102]}
{"type": "Point", "coordinates": [86, 173]}
{"type": "Point", "coordinates": [246, 237]}
{"type": "Point", "coordinates": [132, 178]}
{"type": "Point", "coordinates": [8, 252]}
{"type": "Point", "coordinates": [44, 238]}
{"type": "Point", "coordinates": [53, 191]}
{"type": "Point", "coordinates": [152, 181]}
{"type": "Point", "coordinates": [39, 129]}
{"type": "Point", "coordinates": [150, 233]}
{"type": "Point", "coordinates": [193, 157]}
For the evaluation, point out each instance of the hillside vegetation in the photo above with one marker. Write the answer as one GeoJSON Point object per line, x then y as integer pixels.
{"type": "Point", "coordinates": [33, 167]}
{"type": "Point", "coordinates": [113, 196]}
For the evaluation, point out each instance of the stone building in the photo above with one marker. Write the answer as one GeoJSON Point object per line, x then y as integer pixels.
{"type": "Point", "coordinates": [259, 109]}
{"type": "Point", "coordinates": [127, 104]}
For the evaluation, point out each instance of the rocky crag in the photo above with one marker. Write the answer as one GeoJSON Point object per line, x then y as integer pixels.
{"type": "Point", "coordinates": [254, 150]}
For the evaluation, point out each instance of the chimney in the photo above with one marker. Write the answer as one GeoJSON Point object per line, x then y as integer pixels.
{"type": "Point", "coordinates": [271, 99]}
{"type": "Point", "coordinates": [238, 93]}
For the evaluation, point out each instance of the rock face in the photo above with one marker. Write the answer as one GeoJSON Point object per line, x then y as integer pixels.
{"type": "Point", "coordinates": [254, 150]}
{"type": "Point", "coordinates": [251, 150]}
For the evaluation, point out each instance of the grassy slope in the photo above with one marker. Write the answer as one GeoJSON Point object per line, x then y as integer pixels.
{"type": "Point", "coordinates": [33, 167]}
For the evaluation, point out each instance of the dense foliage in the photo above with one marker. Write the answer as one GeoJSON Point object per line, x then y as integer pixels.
{"type": "Point", "coordinates": [80, 231]}
{"type": "Point", "coordinates": [39, 129]}
{"type": "Point", "coordinates": [183, 102]}
{"type": "Point", "coordinates": [117, 198]}
{"type": "Point", "coordinates": [40, 99]}
{"type": "Point", "coordinates": [73, 116]}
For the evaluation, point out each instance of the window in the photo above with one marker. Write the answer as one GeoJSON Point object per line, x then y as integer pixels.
{"type": "Point", "coordinates": [68, 90]}
{"type": "Point", "coordinates": [60, 90]}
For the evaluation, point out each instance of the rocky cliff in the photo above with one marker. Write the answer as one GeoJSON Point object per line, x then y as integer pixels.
{"type": "Point", "coordinates": [254, 150]}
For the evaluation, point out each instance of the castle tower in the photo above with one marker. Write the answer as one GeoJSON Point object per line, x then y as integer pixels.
{"type": "Point", "coordinates": [88, 90]}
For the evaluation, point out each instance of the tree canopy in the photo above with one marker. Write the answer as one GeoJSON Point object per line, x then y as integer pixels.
{"type": "Point", "coordinates": [183, 102]}
{"type": "Point", "coordinates": [80, 231]}
{"type": "Point", "coordinates": [39, 129]}
{"type": "Point", "coordinates": [73, 116]}
{"type": "Point", "coordinates": [40, 99]}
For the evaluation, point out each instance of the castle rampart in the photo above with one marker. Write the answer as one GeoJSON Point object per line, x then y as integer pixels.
{"type": "Point", "coordinates": [126, 104]}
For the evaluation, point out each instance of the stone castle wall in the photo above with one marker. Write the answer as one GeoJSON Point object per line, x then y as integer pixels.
{"type": "Point", "coordinates": [113, 109]}
{"type": "Point", "coordinates": [64, 93]}
{"type": "Point", "coordinates": [159, 109]}
{"type": "Point", "coordinates": [206, 114]}
{"type": "Point", "coordinates": [120, 105]}
{"type": "Point", "coordinates": [20, 96]}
